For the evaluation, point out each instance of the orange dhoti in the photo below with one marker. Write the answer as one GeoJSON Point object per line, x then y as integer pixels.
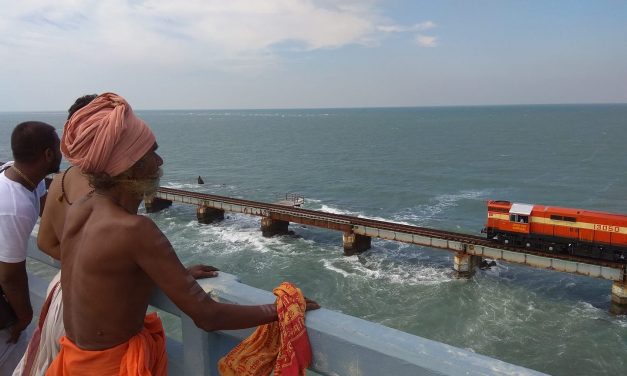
{"type": "Point", "coordinates": [144, 354]}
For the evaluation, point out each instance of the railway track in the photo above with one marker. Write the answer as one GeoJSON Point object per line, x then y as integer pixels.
{"type": "Point", "coordinates": [345, 220]}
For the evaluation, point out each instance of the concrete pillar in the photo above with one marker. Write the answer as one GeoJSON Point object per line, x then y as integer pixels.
{"type": "Point", "coordinates": [355, 243]}
{"type": "Point", "coordinates": [155, 204]}
{"type": "Point", "coordinates": [208, 215]}
{"type": "Point", "coordinates": [465, 264]}
{"type": "Point", "coordinates": [271, 227]}
{"type": "Point", "coordinates": [619, 298]}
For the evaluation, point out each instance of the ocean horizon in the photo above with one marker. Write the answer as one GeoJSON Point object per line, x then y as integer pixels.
{"type": "Point", "coordinates": [342, 107]}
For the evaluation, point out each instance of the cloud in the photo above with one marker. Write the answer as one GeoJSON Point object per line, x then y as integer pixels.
{"type": "Point", "coordinates": [426, 41]}
{"type": "Point", "coordinates": [169, 49]}
{"type": "Point", "coordinates": [403, 29]}
{"type": "Point", "coordinates": [421, 40]}
{"type": "Point", "coordinates": [209, 32]}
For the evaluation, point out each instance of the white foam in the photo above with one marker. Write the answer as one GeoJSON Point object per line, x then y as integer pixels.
{"type": "Point", "coordinates": [176, 185]}
{"type": "Point", "coordinates": [441, 203]}
{"type": "Point", "coordinates": [333, 210]}
{"type": "Point", "coordinates": [379, 267]}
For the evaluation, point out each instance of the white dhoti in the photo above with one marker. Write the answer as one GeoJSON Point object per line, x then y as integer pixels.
{"type": "Point", "coordinates": [44, 345]}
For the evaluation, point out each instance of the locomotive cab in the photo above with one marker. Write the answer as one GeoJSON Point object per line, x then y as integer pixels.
{"type": "Point", "coordinates": [519, 217]}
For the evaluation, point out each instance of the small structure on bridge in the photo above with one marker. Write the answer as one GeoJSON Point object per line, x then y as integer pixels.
{"type": "Point", "coordinates": [291, 199]}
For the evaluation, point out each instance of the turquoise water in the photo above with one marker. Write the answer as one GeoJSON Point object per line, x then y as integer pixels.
{"type": "Point", "coordinates": [432, 167]}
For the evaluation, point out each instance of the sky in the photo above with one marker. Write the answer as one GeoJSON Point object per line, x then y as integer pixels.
{"type": "Point", "coordinates": [237, 54]}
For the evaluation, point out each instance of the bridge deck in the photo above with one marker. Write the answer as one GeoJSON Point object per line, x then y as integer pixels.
{"type": "Point", "coordinates": [447, 240]}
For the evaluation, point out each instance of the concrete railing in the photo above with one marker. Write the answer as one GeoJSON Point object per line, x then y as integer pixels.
{"type": "Point", "coordinates": [341, 344]}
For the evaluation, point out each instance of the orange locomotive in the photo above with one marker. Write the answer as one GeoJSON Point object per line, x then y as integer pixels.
{"type": "Point", "coordinates": [558, 230]}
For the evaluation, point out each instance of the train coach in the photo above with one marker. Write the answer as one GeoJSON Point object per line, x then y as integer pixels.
{"type": "Point", "coordinates": [553, 229]}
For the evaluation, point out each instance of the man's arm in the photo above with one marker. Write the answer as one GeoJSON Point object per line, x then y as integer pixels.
{"type": "Point", "coordinates": [47, 239]}
{"type": "Point", "coordinates": [156, 257]}
{"type": "Point", "coordinates": [14, 282]}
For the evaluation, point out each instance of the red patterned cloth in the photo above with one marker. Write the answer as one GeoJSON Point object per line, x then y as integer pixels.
{"type": "Point", "coordinates": [282, 346]}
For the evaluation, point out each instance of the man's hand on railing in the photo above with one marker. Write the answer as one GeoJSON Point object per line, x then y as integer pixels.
{"type": "Point", "coordinates": [311, 304]}
{"type": "Point", "coordinates": [203, 271]}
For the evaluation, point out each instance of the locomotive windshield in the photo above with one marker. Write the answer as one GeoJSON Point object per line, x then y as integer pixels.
{"type": "Point", "coordinates": [520, 213]}
{"type": "Point", "coordinates": [519, 218]}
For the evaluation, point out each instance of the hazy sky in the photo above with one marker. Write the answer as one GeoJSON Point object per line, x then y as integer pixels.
{"type": "Point", "coordinates": [166, 54]}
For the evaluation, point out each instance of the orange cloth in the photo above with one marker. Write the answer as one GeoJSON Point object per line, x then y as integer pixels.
{"type": "Point", "coordinates": [144, 354]}
{"type": "Point", "coordinates": [106, 136]}
{"type": "Point", "coordinates": [282, 346]}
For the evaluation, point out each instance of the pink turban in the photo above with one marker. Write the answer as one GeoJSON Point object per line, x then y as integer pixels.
{"type": "Point", "coordinates": [106, 136]}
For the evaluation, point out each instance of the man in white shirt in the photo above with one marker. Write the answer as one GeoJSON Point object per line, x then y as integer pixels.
{"type": "Point", "coordinates": [35, 147]}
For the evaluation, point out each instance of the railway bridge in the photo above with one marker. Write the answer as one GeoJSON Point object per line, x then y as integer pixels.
{"type": "Point", "coordinates": [358, 233]}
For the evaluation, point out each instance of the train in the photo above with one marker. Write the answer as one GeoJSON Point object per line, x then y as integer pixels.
{"type": "Point", "coordinates": [576, 232]}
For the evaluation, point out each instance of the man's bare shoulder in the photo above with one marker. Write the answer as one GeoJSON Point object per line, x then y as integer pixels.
{"type": "Point", "coordinates": [139, 229]}
{"type": "Point", "coordinates": [132, 223]}
{"type": "Point", "coordinates": [143, 223]}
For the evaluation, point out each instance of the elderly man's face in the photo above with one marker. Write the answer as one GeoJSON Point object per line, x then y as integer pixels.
{"type": "Point", "coordinates": [147, 173]}
{"type": "Point", "coordinates": [149, 165]}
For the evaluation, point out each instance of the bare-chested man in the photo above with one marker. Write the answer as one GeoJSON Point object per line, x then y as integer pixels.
{"type": "Point", "coordinates": [64, 190]}
{"type": "Point", "coordinates": [113, 258]}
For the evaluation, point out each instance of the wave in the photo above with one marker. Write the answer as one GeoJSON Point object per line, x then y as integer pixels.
{"type": "Point", "coordinates": [417, 215]}
{"type": "Point", "coordinates": [177, 185]}
{"type": "Point", "coordinates": [334, 210]}
{"type": "Point", "coordinates": [393, 266]}
{"type": "Point", "coordinates": [199, 187]}
{"type": "Point", "coordinates": [438, 205]}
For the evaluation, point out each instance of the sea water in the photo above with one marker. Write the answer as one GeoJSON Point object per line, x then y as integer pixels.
{"type": "Point", "coordinates": [432, 167]}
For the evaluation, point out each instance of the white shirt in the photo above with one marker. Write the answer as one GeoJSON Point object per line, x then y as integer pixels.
{"type": "Point", "coordinates": [19, 210]}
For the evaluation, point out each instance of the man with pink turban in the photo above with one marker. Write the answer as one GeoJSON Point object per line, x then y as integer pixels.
{"type": "Point", "coordinates": [106, 136]}
{"type": "Point", "coordinates": [113, 258]}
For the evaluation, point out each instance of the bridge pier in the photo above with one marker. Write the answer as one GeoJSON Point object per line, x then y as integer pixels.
{"type": "Point", "coordinates": [619, 298]}
{"type": "Point", "coordinates": [155, 204]}
{"type": "Point", "coordinates": [271, 227]}
{"type": "Point", "coordinates": [465, 264]}
{"type": "Point", "coordinates": [355, 243]}
{"type": "Point", "coordinates": [207, 215]}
